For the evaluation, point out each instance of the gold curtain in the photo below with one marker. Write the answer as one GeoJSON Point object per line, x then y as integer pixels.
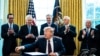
{"type": "Point", "coordinates": [73, 9]}
{"type": "Point", "coordinates": [19, 9]}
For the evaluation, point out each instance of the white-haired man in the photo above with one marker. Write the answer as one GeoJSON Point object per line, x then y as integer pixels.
{"type": "Point", "coordinates": [68, 32]}
{"type": "Point", "coordinates": [48, 44]}
{"type": "Point", "coordinates": [88, 36]}
{"type": "Point", "coordinates": [28, 32]}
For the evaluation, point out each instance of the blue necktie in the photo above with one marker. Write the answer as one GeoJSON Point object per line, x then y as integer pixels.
{"type": "Point", "coordinates": [29, 29]}
{"type": "Point", "coordinates": [10, 26]}
{"type": "Point", "coordinates": [87, 32]}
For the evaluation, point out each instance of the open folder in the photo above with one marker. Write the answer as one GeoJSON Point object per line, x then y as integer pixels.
{"type": "Point", "coordinates": [35, 54]}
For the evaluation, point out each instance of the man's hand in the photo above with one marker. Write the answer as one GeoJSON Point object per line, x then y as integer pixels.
{"type": "Point", "coordinates": [30, 36]}
{"type": "Point", "coordinates": [10, 31]}
{"type": "Point", "coordinates": [67, 28]}
{"type": "Point", "coordinates": [92, 32]}
{"type": "Point", "coordinates": [52, 54]}
{"type": "Point", "coordinates": [18, 49]}
{"type": "Point", "coordinates": [84, 32]}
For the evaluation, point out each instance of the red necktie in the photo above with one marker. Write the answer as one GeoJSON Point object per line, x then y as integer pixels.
{"type": "Point", "coordinates": [49, 47]}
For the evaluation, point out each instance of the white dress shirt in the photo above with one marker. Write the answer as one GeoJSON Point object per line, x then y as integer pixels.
{"type": "Point", "coordinates": [88, 29]}
{"type": "Point", "coordinates": [66, 26]}
{"type": "Point", "coordinates": [10, 25]}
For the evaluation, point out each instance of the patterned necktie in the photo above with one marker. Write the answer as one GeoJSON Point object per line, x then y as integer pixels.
{"type": "Point", "coordinates": [49, 47]}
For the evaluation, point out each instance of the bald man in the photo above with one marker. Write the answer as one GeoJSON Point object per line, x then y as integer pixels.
{"type": "Point", "coordinates": [28, 32]}
{"type": "Point", "coordinates": [88, 36]}
{"type": "Point", "coordinates": [68, 32]}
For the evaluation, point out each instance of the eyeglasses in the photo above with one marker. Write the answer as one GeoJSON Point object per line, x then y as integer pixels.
{"type": "Point", "coordinates": [10, 18]}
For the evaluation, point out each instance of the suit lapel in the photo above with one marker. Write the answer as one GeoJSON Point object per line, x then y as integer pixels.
{"type": "Point", "coordinates": [14, 27]}
{"type": "Point", "coordinates": [44, 45]}
{"type": "Point", "coordinates": [46, 24]}
{"type": "Point", "coordinates": [51, 25]}
{"type": "Point", "coordinates": [7, 26]}
{"type": "Point", "coordinates": [90, 30]}
{"type": "Point", "coordinates": [63, 28]}
{"type": "Point", "coordinates": [54, 44]}
{"type": "Point", "coordinates": [26, 29]}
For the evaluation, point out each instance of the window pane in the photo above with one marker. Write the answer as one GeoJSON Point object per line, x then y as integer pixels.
{"type": "Point", "coordinates": [43, 7]}
{"type": "Point", "coordinates": [91, 10]}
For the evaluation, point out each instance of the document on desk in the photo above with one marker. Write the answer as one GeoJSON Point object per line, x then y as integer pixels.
{"type": "Point", "coordinates": [35, 53]}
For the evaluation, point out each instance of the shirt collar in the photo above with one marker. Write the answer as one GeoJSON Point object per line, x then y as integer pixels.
{"type": "Point", "coordinates": [88, 29]}
{"type": "Point", "coordinates": [51, 39]}
{"type": "Point", "coordinates": [10, 23]}
{"type": "Point", "coordinates": [49, 24]}
{"type": "Point", "coordinates": [66, 25]}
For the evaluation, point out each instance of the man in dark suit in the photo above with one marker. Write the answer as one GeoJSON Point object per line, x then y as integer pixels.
{"type": "Point", "coordinates": [98, 40]}
{"type": "Point", "coordinates": [48, 44]}
{"type": "Point", "coordinates": [49, 23]}
{"type": "Point", "coordinates": [88, 36]}
{"type": "Point", "coordinates": [9, 32]}
{"type": "Point", "coordinates": [68, 32]}
{"type": "Point", "coordinates": [28, 32]}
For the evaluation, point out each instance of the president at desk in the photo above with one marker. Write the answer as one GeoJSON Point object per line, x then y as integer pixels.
{"type": "Point", "coordinates": [48, 44]}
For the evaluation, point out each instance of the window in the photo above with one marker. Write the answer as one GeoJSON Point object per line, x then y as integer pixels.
{"type": "Point", "coordinates": [91, 10]}
{"type": "Point", "coordinates": [42, 8]}
{"type": "Point", "coordinates": [1, 19]}
{"type": "Point", "coordinates": [1, 13]}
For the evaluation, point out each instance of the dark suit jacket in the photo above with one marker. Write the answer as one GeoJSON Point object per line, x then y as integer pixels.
{"type": "Point", "coordinates": [68, 38]}
{"type": "Point", "coordinates": [9, 43]}
{"type": "Point", "coordinates": [41, 45]}
{"type": "Point", "coordinates": [46, 25]}
{"type": "Point", "coordinates": [98, 39]}
{"type": "Point", "coordinates": [24, 31]}
{"type": "Point", "coordinates": [88, 42]}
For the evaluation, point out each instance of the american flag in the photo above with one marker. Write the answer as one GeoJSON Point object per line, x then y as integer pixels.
{"type": "Point", "coordinates": [31, 11]}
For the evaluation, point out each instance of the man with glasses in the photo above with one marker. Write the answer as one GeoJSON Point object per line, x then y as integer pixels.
{"type": "Point", "coordinates": [9, 32]}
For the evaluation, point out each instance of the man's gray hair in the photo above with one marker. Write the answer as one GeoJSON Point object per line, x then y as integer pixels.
{"type": "Point", "coordinates": [28, 17]}
{"type": "Point", "coordinates": [50, 28]}
{"type": "Point", "coordinates": [66, 17]}
{"type": "Point", "coordinates": [49, 15]}
{"type": "Point", "coordinates": [88, 20]}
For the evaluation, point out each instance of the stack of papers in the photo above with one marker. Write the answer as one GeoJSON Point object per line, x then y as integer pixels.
{"type": "Point", "coordinates": [35, 53]}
